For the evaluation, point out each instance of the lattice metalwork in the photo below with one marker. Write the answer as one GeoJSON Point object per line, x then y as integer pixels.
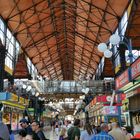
{"type": "Point", "coordinates": [60, 36]}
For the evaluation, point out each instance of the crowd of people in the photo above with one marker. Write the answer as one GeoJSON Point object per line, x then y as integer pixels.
{"type": "Point", "coordinates": [69, 131]}
{"type": "Point", "coordinates": [111, 131]}
{"type": "Point", "coordinates": [31, 131]}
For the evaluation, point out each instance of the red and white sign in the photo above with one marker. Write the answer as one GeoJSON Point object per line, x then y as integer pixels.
{"type": "Point", "coordinates": [122, 80]}
{"type": "Point", "coordinates": [107, 99]}
{"type": "Point", "coordinates": [135, 69]}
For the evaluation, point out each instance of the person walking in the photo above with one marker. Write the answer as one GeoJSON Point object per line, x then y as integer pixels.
{"type": "Point", "coordinates": [32, 136]}
{"type": "Point", "coordinates": [12, 137]}
{"type": "Point", "coordinates": [37, 129]}
{"type": "Point", "coordinates": [103, 135]}
{"type": "Point", "coordinates": [25, 125]}
{"type": "Point", "coordinates": [74, 132]}
{"type": "Point", "coordinates": [117, 132]}
{"type": "Point", "coordinates": [88, 132]}
{"type": "Point", "coordinates": [63, 134]}
{"type": "Point", "coordinates": [4, 132]}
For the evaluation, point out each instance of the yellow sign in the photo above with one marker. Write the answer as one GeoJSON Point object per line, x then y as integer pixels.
{"type": "Point", "coordinates": [26, 102]}
{"type": "Point", "coordinates": [13, 97]}
{"type": "Point", "coordinates": [10, 71]}
{"type": "Point", "coordinates": [21, 100]}
{"type": "Point", "coordinates": [14, 105]}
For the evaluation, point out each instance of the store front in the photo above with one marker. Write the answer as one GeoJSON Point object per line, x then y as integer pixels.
{"type": "Point", "coordinates": [129, 83]}
{"type": "Point", "coordinates": [13, 109]}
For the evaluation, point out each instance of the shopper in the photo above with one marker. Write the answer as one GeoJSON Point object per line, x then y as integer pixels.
{"type": "Point", "coordinates": [37, 129]}
{"type": "Point", "coordinates": [25, 125]}
{"type": "Point", "coordinates": [127, 133]}
{"type": "Point", "coordinates": [88, 132]}
{"type": "Point", "coordinates": [32, 136]}
{"type": "Point", "coordinates": [56, 128]}
{"type": "Point", "coordinates": [4, 133]}
{"type": "Point", "coordinates": [63, 134]}
{"type": "Point", "coordinates": [74, 132]}
{"type": "Point", "coordinates": [117, 132]}
{"type": "Point", "coordinates": [22, 134]}
{"type": "Point", "coordinates": [103, 135]}
{"type": "Point", "coordinates": [10, 132]}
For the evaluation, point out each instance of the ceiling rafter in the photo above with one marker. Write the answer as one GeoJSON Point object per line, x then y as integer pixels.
{"type": "Point", "coordinates": [56, 35]}
{"type": "Point", "coordinates": [89, 20]}
{"type": "Point", "coordinates": [62, 35]}
{"type": "Point", "coordinates": [65, 39]}
{"type": "Point", "coordinates": [105, 11]}
{"type": "Point", "coordinates": [20, 12]}
{"type": "Point", "coordinates": [31, 25]}
{"type": "Point", "coordinates": [27, 29]}
{"type": "Point", "coordinates": [45, 40]}
{"type": "Point", "coordinates": [84, 40]}
{"type": "Point", "coordinates": [100, 26]}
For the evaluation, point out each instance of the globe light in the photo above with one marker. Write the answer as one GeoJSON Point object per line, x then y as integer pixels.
{"type": "Point", "coordinates": [114, 39]}
{"type": "Point", "coordinates": [87, 90]}
{"type": "Point", "coordinates": [37, 94]}
{"type": "Point", "coordinates": [24, 86]}
{"type": "Point", "coordinates": [102, 47]}
{"type": "Point", "coordinates": [107, 54]}
{"type": "Point", "coordinates": [28, 88]}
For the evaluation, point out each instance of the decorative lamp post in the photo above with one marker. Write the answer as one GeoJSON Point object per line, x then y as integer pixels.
{"type": "Point", "coordinates": [116, 39]}
{"type": "Point", "coordinates": [121, 43]}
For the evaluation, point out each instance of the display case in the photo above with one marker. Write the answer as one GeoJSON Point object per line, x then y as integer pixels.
{"type": "Point", "coordinates": [6, 115]}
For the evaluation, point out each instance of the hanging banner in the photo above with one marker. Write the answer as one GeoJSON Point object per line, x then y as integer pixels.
{"type": "Point", "coordinates": [135, 69]}
{"type": "Point", "coordinates": [123, 79]}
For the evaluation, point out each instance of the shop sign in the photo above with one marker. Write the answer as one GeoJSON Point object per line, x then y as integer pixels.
{"type": "Point", "coordinates": [120, 97]}
{"type": "Point", "coordinates": [132, 93]}
{"type": "Point", "coordinates": [21, 100]}
{"type": "Point", "coordinates": [110, 110]}
{"type": "Point", "coordinates": [13, 97]}
{"type": "Point", "coordinates": [104, 98]}
{"type": "Point", "coordinates": [3, 96]}
{"type": "Point", "coordinates": [135, 69]}
{"type": "Point", "coordinates": [122, 80]}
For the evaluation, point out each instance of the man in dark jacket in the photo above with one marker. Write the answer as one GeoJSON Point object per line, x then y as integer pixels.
{"type": "Point", "coordinates": [25, 125]}
{"type": "Point", "coordinates": [37, 129]}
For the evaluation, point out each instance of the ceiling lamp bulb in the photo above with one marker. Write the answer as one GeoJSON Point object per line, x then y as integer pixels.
{"type": "Point", "coordinates": [114, 39]}
{"type": "Point", "coordinates": [24, 86]}
{"type": "Point", "coordinates": [107, 54]}
{"type": "Point", "coordinates": [102, 47]}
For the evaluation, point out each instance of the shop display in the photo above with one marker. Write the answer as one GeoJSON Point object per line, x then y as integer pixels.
{"type": "Point", "coordinates": [6, 118]}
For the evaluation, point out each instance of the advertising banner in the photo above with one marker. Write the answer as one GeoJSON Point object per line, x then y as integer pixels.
{"type": "Point", "coordinates": [123, 79]}
{"type": "Point", "coordinates": [110, 110]}
{"type": "Point", "coordinates": [135, 69]}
